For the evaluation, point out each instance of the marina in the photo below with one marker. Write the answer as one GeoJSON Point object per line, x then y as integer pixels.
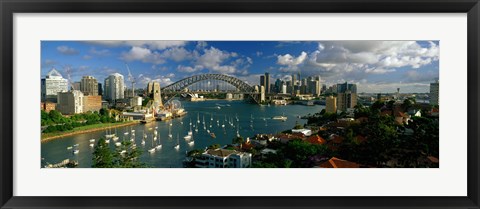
{"type": "Point", "coordinates": [203, 126]}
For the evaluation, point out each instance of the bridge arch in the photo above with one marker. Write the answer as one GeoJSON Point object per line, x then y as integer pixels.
{"type": "Point", "coordinates": [184, 83]}
{"type": "Point", "coordinates": [239, 84]}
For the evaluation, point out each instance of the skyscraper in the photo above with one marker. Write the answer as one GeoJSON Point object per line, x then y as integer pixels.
{"type": "Point", "coordinates": [341, 88]}
{"type": "Point", "coordinates": [262, 81]}
{"type": "Point", "coordinates": [346, 100]}
{"type": "Point", "coordinates": [51, 85]}
{"type": "Point", "coordinates": [434, 93]}
{"type": "Point", "coordinates": [267, 83]}
{"type": "Point", "coordinates": [89, 86]}
{"type": "Point", "coordinates": [114, 87]}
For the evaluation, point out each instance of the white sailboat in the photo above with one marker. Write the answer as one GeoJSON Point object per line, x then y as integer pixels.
{"type": "Point", "coordinates": [190, 132]}
{"type": "Point", "coordinates": [152, 150]}
{"type": "Point", "coordinates": [76, 151]}
{"type": "Point", "coordinates": [92, 140]}
{"type": "Point", "coordinates": [170, 132]}
{"type": "Point", "coordinates": [92, 145]}
{"type": "Point", "coordinates": [159, 145]}
{"type": "Point", "coordinates": [118, 144]}
{"type": "Point", "coordinates": [107, 141]}
{"type": "Point", "coordinates": [198, 117]}
{"type": "Point", "coordinates": [177, 146]}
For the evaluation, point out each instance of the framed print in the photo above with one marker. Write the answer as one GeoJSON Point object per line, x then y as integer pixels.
{"type": "Point", "coordinates": [264, 104]}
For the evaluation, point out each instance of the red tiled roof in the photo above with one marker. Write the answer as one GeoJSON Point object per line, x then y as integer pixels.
{"type": "Point", "coordinates": [338, 163]}
{"type": "Point", "coordinates": [433, 159]}
{"type": "Point", "coordinates": [316, 140]}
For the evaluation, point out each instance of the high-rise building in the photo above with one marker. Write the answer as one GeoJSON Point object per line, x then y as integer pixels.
{"type": "Point", "coordinates": [346, 100]}
{"type": "Point", "coordinates": [263, 81]}
{"type": "Point", "coordinates": [70, 103]}
{"type": "Point", "coordinates": [262, 93]}
{"type": "Point", "coordinates": [267, 83]}
{"type": "Point", "coordinates": [314, 87]}
{"type": "Point", "coordinates": [331, 104]}
{"type": "Point", "coordinates": [100, 89]}
{"type": "Point", "coordinates": [284, 88]}
{"type": "Point", "coordinates": [89, 86]}
{"type": "Point", "coordinates": [51, 85]}
{"type": "Point", "coordinates": [75, 86]}
{"type": "Point", "coordinates": [114, 87]}
{"type": "Point", "coordinates": [294, 79]}
{"type": "Point", "coordinates": [342, 88]}
{"type": "Point", "coordinates": [153, 90]}
{"type": "Point", "coordinates": [434, 93]}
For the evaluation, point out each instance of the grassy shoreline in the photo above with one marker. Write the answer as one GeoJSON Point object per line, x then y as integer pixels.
{"type": "Point", "coordinates": [84, 129]}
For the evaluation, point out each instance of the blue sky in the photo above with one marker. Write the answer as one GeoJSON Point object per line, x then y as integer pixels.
{"type": "Point", "coordinates": [375, 66]}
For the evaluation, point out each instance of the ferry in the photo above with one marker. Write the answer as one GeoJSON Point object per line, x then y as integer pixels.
{"type": "Point", "coordinates": [282, 118]}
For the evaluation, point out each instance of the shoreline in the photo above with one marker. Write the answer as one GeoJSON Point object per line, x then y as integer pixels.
{"type": "Point", "coordinates": [61, 135]}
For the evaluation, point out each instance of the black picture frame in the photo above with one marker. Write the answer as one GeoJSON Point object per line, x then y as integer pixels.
{"type": "Point", "coordinates": [10, 7]}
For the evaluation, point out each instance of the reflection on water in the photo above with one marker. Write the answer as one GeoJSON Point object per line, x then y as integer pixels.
{"type": "Point", "coordinates": [220, 118]}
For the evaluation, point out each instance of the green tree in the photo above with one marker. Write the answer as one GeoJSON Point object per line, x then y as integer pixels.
{"type": "Point", "coordinates": [237, 140]}
{"type": "Point", "coordinates": [102, 156]}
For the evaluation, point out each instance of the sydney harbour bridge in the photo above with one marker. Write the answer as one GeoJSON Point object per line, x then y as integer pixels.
{"type": "Point", "coordinates": [211, 83]}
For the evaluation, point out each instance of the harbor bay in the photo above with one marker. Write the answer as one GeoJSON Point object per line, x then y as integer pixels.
{"type": "Point", "coordinates": [252, 119]}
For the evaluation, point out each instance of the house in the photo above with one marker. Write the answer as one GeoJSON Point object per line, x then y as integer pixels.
{"type": "Point", "coordinates": [316, 140]}
{"type": "Point", "coordinates": [338, 163]}
{"type": "Point", "coordinates": [224, 158]}
{"type": "Point", "coordinates": [305, 132]}
{"type": "Point", "coordinates": [401, 118]}
{"type": "Point", "coordinates": [285, 138]}
{"type": "Point", "coordinates": [415, 112]}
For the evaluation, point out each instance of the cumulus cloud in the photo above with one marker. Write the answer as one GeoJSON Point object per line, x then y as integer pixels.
{"type": "Point", "coordinates": [188, 69]}
{"type": "Point", "coordinates": [101, 52]}
{"type": "Point", "coordinates": [289, 60]}
{"type": "Point", "coordinates": [143, 54]}
{"type": "Point", "coordinates": [213, 59]}
{"type": "Point", "coordinates": [154, 45]}
{"type": "Point", "coordinates": [67, 50]}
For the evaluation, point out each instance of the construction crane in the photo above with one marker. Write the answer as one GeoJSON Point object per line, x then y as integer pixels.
{"type": "Point", "coordinates": [68, 71]}
{"type": "Point", "coordinates": [131, 79]}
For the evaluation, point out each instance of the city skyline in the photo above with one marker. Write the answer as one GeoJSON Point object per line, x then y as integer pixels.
{"type": "Point", "coordinates": [375, 66]}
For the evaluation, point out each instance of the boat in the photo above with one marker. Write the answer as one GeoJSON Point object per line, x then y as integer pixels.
{"type": "Point", "coordinates": [218, 107]}
{"type": "Point", "coordinates": [198, 117]}
{"type": "Point", "coordinates": [91, 145]}
{"type": "Point", "coordinates": [213, 135]}
{"type": "Point", "coordinates": [123, 152]}
{"type": "Point", "coordinates": [282, 118]}
{"type": "Point", "coordinates": [118, 144]}
{"type": "Point", "coordinates": [75, 145]}
{"type": "Point", "coordinates": [169, 132]}
{"type": "Point", "coordinates": [107, 141]}
{"type": "Point", "coordinates": [143, 143]}
{"type": "Point", "coordinates": [115, 138]}
{"type": "Point", "coordinates": [190, 133]}
{"type": "Point", "coordinates": [92, 140]}
{"type": "Point", "coordinates": [190, 122]}
{"type": "Point", "coordinates": [228, 105]}
{"type": "Point", "coordinates": [76, 151]}
{"type": "Point", "coordinates": [152, 150]}
{"type": "Point", "coordinates": [208, 131]}
{"type": "Point", "coordinates": [191, 143]}
{"type": "Point", "coordinates": [69, 148]}
{"type": "Point", "coordinates": [187, 137]}
{"type": "Point", "coordinates": [177, 146]}
{"type": "Point", "coordinates": [159, 145]}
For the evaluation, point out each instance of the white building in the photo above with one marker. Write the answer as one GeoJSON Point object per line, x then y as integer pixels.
{"type": "Point", "coordinates": [224, 158]}
{"type": "Point", "coordinates": [305, 132]}
{"type": "Point", "coordinates": [114, 87]}
{"type": "Point", "coordinates": [70, 103]}
{"type": "Point", "coordinates": [284, 88]}
{"type": "Point", "coordinates": [52, 84]}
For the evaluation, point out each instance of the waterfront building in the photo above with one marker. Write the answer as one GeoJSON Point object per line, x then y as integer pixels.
{"type": "Point", "coordinates": [284, 88]}
{"type": "Point", "coordinates": [51, 85]}
{"type": "Point", "coordinates": [92, 103]}
{"type": "Point", "coordinates": [153, 90]}
{"type": "Point", "coordinates": [70, 103]}
{"type": "Point", "coordinates": [294, 79]}
{"type": "Point", "coordinates": [89, 86]}
{"type": "Point", "coordinates": [434, 93]}
{"type": "Point", "coordinates": [346, 100]}
{"type": "Point", "coordinates": [47, 106]}
{"type": "Point", "coordinates": [224, 158]}
{"type": "Point", "coordinates": [331, 104]}
{"type": "Point", "coordinates": [114, 87]}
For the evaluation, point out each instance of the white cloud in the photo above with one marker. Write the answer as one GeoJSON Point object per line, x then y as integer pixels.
{"type": "Point", "coordinates": [142, 54]}
{"type": "Point", "coordinates": [102, 52]}
{"type": "Point", "coordinates": [177, 54]}
{"type": "Point", "coordinates": [67, 50]}
{"type": "Point", "coordinates": [154, 45]}
{"type": "Point", "coordinates": [188, 69]}
{"type": "Point", "coordinates": [289, 60]}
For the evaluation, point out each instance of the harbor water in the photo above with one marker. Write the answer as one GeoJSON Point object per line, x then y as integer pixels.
{"type": "Point", "coordinates": [220, 117]}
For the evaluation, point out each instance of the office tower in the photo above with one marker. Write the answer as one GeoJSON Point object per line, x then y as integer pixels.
{"type": "Point", "coordinates": [434, 93]}
{"type": "Point", "coordinates": [284, 88]}
{"type": "Point", "coordinates": [262, 93]}
{"type": "Point", "coordinates": [100, 89]}
{"type": "Point", "coordinates": [294, 79]}
{"type": "Point", "coordinates": [267, 83]}
{"type": "Point", "coordinates": [341, 88]}
{"type": "Point", "coordinates": [51, 85]}
{"type": "Point", "coordinates": [262, 81]}
{"type": "Point", "coordinates": [114, 87]}
{"type": "Point", "coordinates": [346, 100]}
{"type": "Point", "coordinates": [89, 86]}
{"type": "Point", "coordinates": [331, 104]}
